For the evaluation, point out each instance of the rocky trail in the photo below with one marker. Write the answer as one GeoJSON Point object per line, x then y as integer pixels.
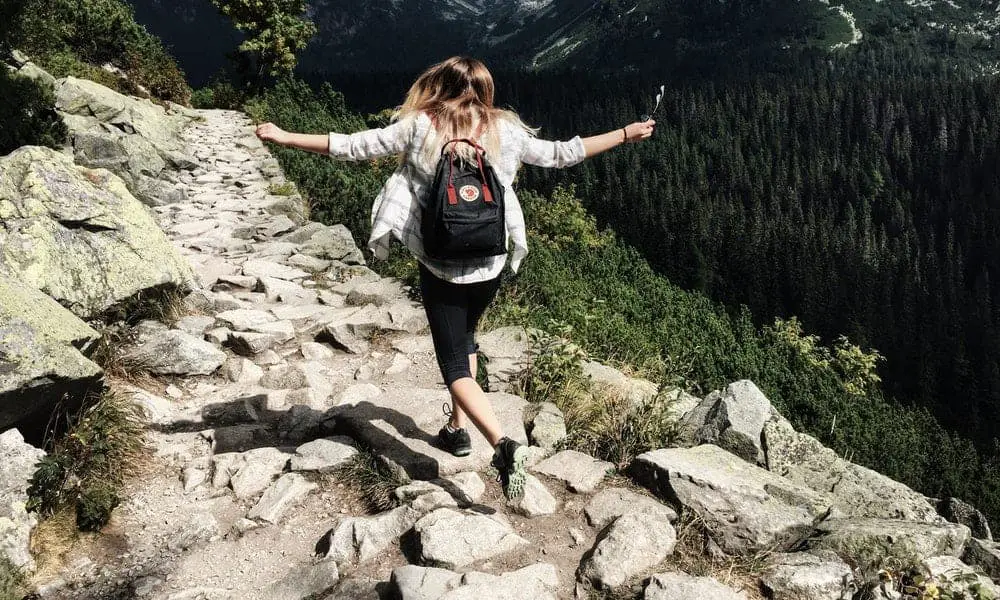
{"type": "Point", "coordinates": [293, 365]}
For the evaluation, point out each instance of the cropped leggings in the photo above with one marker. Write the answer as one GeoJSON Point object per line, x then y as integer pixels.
{"type": "Point", "coordinates": [453, 311]}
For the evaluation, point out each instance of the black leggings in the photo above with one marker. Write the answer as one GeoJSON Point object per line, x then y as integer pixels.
{"type": "Point", "coordinates": [453, 311]}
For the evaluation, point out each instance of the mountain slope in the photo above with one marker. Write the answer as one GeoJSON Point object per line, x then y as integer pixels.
{"type": "Point", "coordinates": [391, 35]}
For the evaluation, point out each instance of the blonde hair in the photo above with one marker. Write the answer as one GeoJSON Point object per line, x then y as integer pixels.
{"type": "Point", "coordinates": [457, 94]}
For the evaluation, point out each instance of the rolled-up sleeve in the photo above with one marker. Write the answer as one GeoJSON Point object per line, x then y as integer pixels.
{"type": "Point", "coordinates": [545, 153]}
{"type": "Point", "coordinates": [373, 143]}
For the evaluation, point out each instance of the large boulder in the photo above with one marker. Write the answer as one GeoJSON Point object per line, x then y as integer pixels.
{"type": "Point", "coordinates": [16, 523]}
{"type": "Point", "coordinates": [746, 509]}
{"type": "Point", "coordinates": [42, 361]}
{"type": "Point", "coordinates": [633, 543]}
{"type": "Point", "coordinates": [856, 491]}
{"type": "Point", "coordinates": [635, 391]}
{"type": "Point", "coordinates": [506, 352]}
{"type": "Point", "coordinates": [444, 538]}
{"type": "Point", "coordinates": [133, 137]}
{"type": "Point", "coordinates": [818, 576]}
{"type": "Point", "coordinates": [78, 235]}
{"type": "Point", "coordinates": [955, 510]}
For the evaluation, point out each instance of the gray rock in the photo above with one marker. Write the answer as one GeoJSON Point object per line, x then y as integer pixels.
{"type": "Point", "coordinates": [198, 529]}
{"type": "Point", "coordinates": [985, 555]}
{"type": "Point", "coordinates": [537, 501]}
{"type": "Point", "coordinates": [960, 576]}
{"type": "Point", "coordinates": [333, 243]}
{"type": "Point", "coordinates": [443, 539]}
{"type": "Point", "coordinates": [177, 353]}
{"type": "Point", "coordinates": [303, 233]}
{"type": "Point", "coordinates": [954, 510]}
{"type": "Point", "coordinates": [865, 540]}
{"type": "Point", "coordinates": [679, 586]}
{"type": "Point", "coordinates": [316, 351]}
{"type": "Point", "coordinates": [342, 337]}
{"type": "Point", "coordinates": [357, 539]}
{"type": "Point", "coordinates": [276, 226]}
{"type": "Point", "coordinates": [401, 425]}
{"type": "Point", "coordinates": [244, 319]}
{"type": "Point", "coordinates": [548, 428]}
{"type": "Point", "coordinates": [250, 344]}
{"type": "Point", "coordinates": [580, 472]}
{"type": "Point", "coordinates": [304, 582]}
{"type": "Point", "coordinates": [817, 576]}
{"type": "Point", "coordinates": [411, 582]}
{"type": "Point", "coordinates": [279, 290]}
{"type": "Point", "coordinates": [324, 455]}
{"type": "Point", "coordinates": [307, 263]}
{"type": "Point", "coordinates": [78, 235]}
{"type": "Point", "coordinates": [242, 370]}
{"type": "Point", "coordinates": [538, 582]}
{"type": "Point", "coordinates": [855, 490]}
{"type": "Point", "coordinates": [609, 504]}
{"type": "Point", "coordinates": [43, 360]}
{"type": "Point", "coordinates": [734, 420]}
{"type": "Point", "coordinates": [195, 325]}
{"type": "Point", "coordinates": [637, 392]}
{"type": "Point", "coordinates": [266, 268]}
{"type": "Point", "coordinates": [254, 471]}
{"type": "Point", "coordinates": [629, 546]}
{"type": "Point", "coordinates": [746, 509]}
{"type": "Point", "coordinates": [507, 351]}
{"type": "Point", "coordinates": [283, 493]}
{"type": "Point", "coordinates": [16, 470]}
{"type": "Point", "coordinates": [467, 487]}
{"type": "Point", "coordinates": [379, 293]}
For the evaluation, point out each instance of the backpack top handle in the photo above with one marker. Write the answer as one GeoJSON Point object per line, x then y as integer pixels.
{"type": "Point", "coordinates": [480, 152]}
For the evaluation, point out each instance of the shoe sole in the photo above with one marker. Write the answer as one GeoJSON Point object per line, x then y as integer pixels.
{"type": "Point", "coordinates": [462, 452]}
{"type": "Point", "coordinates": [517, 477]}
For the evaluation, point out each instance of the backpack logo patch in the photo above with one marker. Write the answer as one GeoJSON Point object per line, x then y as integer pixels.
{"type": "Point", "coordinates": [469, 193]}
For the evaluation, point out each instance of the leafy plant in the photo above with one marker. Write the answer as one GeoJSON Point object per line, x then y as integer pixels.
{"type": "Point", "coordinates": [554, 362]}
{"type": "Point", "coordinates": [276, 31]}
{"type": "Point", "coordinates": [915, 583]}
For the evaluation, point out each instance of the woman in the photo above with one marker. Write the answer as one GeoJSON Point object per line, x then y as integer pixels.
{"type": "Point", "coordinates": [451, 100]}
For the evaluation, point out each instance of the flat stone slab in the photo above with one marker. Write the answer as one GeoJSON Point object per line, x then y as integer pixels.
{"type": "Point", "coordinates": [401, 425]}
{"type": "Point", "coordinates": [323, 455]}
{"type": "Point", "coordinates": [537, 582]}
{"type": "Point", "coordinates": [817, 576]}
{"type": "Point", "coordinates": [580, 472]}
{"type": "Point", "coordinates": [361, 538]}
{"type": "Point", "coordinates": [745, 508]}
{"type": "Point", "coordinates": [283, 493]}
{"type": "Point", "coordinates": [679, 586]}
{"type": "Point", "coordinates": [304, 582]}
{"type": "Point", "coordinates": [452, 539]}
{"type": "Point", "coordinates": [266, 268]}
{"type": "Point", "coordinates": [609, 504]}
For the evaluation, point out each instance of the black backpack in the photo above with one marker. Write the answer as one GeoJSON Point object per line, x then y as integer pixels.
{"type": "Point", "coordinates": [464, 213]}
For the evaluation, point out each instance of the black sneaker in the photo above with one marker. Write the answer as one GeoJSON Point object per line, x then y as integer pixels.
{"type": "Point", "coordinates": [457, 442]}
{"type": "Point", "coordinates": [508, 459]}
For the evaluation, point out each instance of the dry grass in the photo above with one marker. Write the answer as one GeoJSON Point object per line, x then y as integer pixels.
{"type": "Point", "coordinates": [373, 479]}
{"type": "Point", "coordinates": [87, 466]}
{"type": "Point", "coordinates": [13, 582]}
{"type": "Point", "coordinates": [690, 556]}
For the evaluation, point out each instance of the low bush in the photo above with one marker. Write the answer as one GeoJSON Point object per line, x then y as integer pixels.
{"type": "Point", "coordinates": [13, 581]}
{"type": "Point", "coordinates": [87, 466]}
{"type": "Point", "coordinates": [26, 114]}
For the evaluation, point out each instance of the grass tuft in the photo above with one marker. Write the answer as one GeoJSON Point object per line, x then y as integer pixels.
{"type": "Point", "coordinates": [86, 468]}
{"type": "Point", "coordinates": [691, 556]}
{"type": "Point", "coordinates": [283, 189]}
{"type": "Point", "coordinates": [373, 479]}
{"type": "Point", "coordinates": [13, 581]}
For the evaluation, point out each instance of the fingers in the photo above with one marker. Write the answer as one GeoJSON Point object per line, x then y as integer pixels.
{"type": "Point", "coordinates": [641, 131]}
{"type": "Point", "coordinates": [268, 132]}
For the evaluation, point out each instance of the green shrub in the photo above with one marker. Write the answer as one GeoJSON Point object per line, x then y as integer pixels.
{"type": "Point", "coordinates": [87, 466]}
{"type": "Point", "coordinates": [76, 37]}
{"type": "Point", "coordinates": [26, 114]}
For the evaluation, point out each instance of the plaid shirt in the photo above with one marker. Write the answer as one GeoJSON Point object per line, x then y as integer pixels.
{"type": "Point", "coordinates": [397, 209]}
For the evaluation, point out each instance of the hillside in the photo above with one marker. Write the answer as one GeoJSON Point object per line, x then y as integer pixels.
{"type": "Point", "coordinates": [289, 397]}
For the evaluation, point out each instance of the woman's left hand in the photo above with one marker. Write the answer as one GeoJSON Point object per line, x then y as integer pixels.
{"type": "Point", "coordinates": [636, 132]}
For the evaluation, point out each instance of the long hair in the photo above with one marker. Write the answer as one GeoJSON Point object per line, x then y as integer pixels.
{"type": "Point", "coordinates": [457, 94]}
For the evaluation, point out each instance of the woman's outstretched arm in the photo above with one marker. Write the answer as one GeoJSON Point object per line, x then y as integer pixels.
{"type": "Point", "coordinates": [363, 145]}
{"type": "Point", "coordinates": [269, 132]}
{"type": "Point", "coordinates": [630, 133]}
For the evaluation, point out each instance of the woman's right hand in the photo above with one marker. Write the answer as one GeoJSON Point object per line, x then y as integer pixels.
{"type": "Point", "coordinates": [269, 132]}
{"type": "Point", "coordinates": [636, 132]}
